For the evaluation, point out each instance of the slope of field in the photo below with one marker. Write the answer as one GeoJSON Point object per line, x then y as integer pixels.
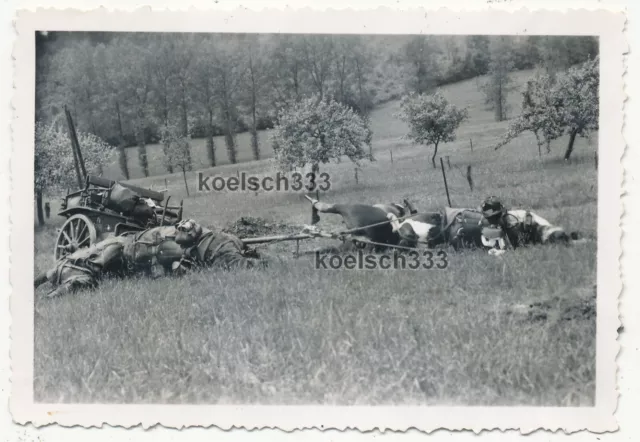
{"type": "Point", "coordinates": [294, 334]}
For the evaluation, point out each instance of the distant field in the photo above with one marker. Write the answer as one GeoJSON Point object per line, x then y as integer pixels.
{"type": "Point", "coordinates": [293, 334]}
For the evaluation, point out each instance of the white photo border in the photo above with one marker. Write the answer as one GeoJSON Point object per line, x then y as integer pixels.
{"type": "Point", "coordinates": [607, 24]}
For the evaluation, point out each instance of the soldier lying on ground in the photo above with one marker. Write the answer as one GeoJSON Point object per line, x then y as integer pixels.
{"type": "Point", "coordinates": [516, 228]}
{"type": "Point", "coordinates": [491, 227]}
{"type": "Point", "coordinates": [154, 252]}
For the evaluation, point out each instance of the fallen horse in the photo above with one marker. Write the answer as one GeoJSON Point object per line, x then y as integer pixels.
{"type": "Point", "coordinates": [490, 227]}
{"type": "Point", "coordinates": [154, 252]}
{"type": "Point", "coordinates": [379, 224]}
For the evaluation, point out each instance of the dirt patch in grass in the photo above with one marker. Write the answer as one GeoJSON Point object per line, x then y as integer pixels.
{"type": "Point", "coordinates": [249, 227]}
{"type": "Point", "coordinates": [556, 308]}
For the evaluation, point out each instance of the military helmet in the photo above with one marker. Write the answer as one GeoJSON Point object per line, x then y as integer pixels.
{"type": "Point", "coordinates": [491, 207]}
{"type": "Point", "coordinates": [188, 232]}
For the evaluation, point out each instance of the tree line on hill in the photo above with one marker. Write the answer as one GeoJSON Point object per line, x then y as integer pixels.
{"type": "Point", "coordinates": [139, 88]}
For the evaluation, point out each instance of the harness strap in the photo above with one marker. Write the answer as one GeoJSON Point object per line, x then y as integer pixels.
{"type": "Point", "coordinates": [367, 241]}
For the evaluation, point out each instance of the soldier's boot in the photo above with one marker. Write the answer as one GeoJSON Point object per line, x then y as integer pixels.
{"type": "Point", "coordinates": [40, 279]}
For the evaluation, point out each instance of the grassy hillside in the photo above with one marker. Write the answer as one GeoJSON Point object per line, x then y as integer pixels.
{"type": "Point", "coordinates": [294, 334]}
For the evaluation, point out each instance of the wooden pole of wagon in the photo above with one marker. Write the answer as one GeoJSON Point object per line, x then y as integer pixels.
{"type": "Point", "coordinates": [76, 161]}
{"type": "Point", "coordinates": [276, 238]}
{"type": "Point", "coordinates": [77, 153]}
{"type": "Point", "coordinates": [444, 176]}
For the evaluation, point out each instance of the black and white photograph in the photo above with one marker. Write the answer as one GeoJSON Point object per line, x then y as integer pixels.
{"type": "Point", "coordinates": [319, 218]}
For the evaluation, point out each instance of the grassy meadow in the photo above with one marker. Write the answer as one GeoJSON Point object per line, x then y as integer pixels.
{"type": "Point", "coordinates": [296, 335]}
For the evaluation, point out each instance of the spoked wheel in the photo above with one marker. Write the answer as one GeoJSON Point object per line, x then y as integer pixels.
{"type": "Point", "coordinates": [77, 232]}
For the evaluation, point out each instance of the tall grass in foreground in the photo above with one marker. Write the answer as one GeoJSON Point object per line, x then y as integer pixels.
{"type": "Point", "coordinates": [294, 335]}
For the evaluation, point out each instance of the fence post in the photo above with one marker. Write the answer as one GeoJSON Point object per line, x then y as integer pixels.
{"type": "Point", "coordinates": [315, 218]}
{"type": "Point", "coordinates": [165, 184]}
{"type": "Point", "coordinates": [448, 162]}
{"type": "Point", "coordinates": [391, 154]}
{"type": "Point", "coordinates": [469, 179]}
{"type": "Point", "coordinates": [356, 171]}
{"type": "Point", "coordinates": [444, 176]}
{"type": "Point", "coordinates": [471, 144]}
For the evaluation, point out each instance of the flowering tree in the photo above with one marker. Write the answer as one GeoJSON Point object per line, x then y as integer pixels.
{"type": "Point", "coordinates": [577, 92]}
{"type": "Point", "coordinates": [53, 160]}
{"type": "Point", "coordinates": [540, 114]}
{"type": "Point", "coordinates": [568, 107]}
{"type": "Point", "coordinates": [432, 120]}
{"type": "Point", "coordinates": [315, 132]}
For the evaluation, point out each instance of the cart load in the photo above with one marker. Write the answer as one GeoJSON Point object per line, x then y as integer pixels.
{"type": "Point", "coordinates": [105, 207]}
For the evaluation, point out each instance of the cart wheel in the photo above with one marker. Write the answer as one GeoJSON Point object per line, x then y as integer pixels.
{"type": "Point", "coordinates": [77, 232]}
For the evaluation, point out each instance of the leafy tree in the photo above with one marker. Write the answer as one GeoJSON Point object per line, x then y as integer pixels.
{"type": "Point", "coordinates": [177, 149]}
{"type": "Point", "coordinates": [577, 93]}
{"type": "Point", "coordinates": [318, 56]}
{"type": "Point", "coordinates": [477, 57]}
{"type": "Point", "coordinates": [499, 84]}
{"type": "Point", "coordinates": [54, 163]}
{"type": "Point", "coordinates": [229, 76]}
{"type": "Point", "coordinates": [112, 80]}
{"type": "Point", "coordinates": [286, 73]}
{"type": "Point", "coordinates": [421, 53]}
{"type": "Point", "coordinates": [74, 75]}
{"type": "Point", "coordinates": [362, 65]}
{"type": "Point", "coordinates": [164, 71]}
{"type": "Point", "coordinates": [558, 53]}
{"type": "Point", "coordinates": [570, 107]}
{"type": "Point", "coordinates": [255, 63]}
{"type": "Point", "coordinates": [316, 132]}
{"type": "Point", "coordinates": [431, 119]}
{"type": "Point", "coordinates": [205, 93]}
{"type": "Point", "coordinates": [540, 114]}
{"type": "Point", "coordinates": [184, 53]}
{"type": "Point", "coordinates": [353, 65]}
{"type": "Point", "coordinates": [137, 65]}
